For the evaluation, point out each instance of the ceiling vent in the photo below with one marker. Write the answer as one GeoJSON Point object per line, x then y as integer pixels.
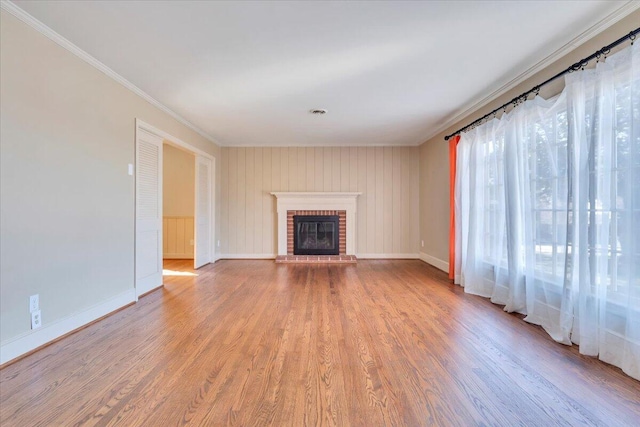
{"type": "Point", "coordinates": [318, 111]}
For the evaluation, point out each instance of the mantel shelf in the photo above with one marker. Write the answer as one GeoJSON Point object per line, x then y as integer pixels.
{"type": "Point", "coordinates": [319, 194]}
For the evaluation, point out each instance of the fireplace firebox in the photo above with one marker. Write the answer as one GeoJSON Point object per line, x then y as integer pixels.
{"type": "Point", "coordinates": [316, 235]}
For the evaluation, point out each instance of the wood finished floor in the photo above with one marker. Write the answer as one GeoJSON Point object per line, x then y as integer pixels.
{"type": "Point", "coordinates": [258, 343]}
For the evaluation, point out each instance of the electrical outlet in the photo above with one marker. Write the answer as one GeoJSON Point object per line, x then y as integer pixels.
{"type": "Point", "coordinates": [191, 242]}
{"type": "Point", "coordinates": [422, 243]}
{"type": "Point", "coordinates": [34, 303]}
{"type": "Point", "coordinates": [36, 319]}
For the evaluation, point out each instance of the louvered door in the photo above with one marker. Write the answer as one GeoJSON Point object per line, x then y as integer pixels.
{"type": "Point", "coordinates": [148, 262]}
{"type": "Point", "coordinates": [203, 210]}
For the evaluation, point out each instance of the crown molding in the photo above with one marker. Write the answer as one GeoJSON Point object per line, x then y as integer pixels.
{"type": "Point", "coordinates": [495, 92]}
{"type": "Point", "coordinates": [43, 29]}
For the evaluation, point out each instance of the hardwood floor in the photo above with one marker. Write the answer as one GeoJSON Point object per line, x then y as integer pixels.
{"type": "Point", "coordinates": [258, 343]}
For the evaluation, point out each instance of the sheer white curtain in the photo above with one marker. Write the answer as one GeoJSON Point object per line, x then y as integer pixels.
{"type": "Point", "coordinates": [479, 162]}
{"type": "Point", "coordinates": [548, 211]}
{"type": "Point", "coordinates": [546, 216]}
{"type": "Point", "coordinates": [604, 142]}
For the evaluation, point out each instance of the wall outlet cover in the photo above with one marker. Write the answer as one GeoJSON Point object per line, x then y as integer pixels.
{"type": "Point", "coordinates": [36, 319]}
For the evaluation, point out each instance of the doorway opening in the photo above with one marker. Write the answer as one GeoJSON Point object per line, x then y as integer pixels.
{"type": "Point", "coordinates": [178, 202]}
{"type": "Point", "coordinates": [150, 241]}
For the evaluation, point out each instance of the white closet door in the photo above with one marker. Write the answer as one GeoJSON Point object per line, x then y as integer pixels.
{"type": "Point", "coordinates": [148, 212]}
{"type": "Point", "coordinates": [203, 223]}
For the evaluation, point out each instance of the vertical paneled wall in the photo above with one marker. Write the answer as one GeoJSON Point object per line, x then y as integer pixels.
{"type": "Point", "coordinates": [387, 219]}
{"type": "Point", "coordinates": [177, 237]}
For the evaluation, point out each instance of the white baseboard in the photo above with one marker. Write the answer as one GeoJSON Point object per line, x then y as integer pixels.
{"type": "Point", "coordinates": [31, 340]}
{"type": "Point", "coordinates": [387, 256]}
{"type": "Point", "coordinates": [360, 256]}
{"type": "Point", "coordinates": [177, 256]}
{"type": "Point", "coordinates": [247, 256]}
{"type": "Point", "coordinates": [436, 262]}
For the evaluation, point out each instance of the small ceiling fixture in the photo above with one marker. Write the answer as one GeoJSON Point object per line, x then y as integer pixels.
{"type": "Point", "coordinates": [318, 111]}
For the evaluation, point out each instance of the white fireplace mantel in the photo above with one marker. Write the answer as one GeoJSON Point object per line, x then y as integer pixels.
{"type": "Point", "coordinates": [316, 201]}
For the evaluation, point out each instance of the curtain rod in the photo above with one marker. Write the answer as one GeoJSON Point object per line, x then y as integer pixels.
{"type": "Point", "coordinates": [575, 67]}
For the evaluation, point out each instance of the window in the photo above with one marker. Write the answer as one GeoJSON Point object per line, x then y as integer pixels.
{"type": "Point", "coordinates": [547, 157]}
{"type": "Point", "coordinates": [548, 201]}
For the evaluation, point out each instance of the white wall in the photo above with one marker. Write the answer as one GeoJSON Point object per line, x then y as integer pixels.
{"type": "Point", "coordinates": [387, 218]}
{"type": "Point", "coordinates": [66, 200]}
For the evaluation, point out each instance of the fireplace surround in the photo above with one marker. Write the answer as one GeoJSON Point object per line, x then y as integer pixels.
{"type": "Point", "coordinates": [342, 204]}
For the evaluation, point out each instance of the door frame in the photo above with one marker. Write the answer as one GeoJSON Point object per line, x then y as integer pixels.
{"type": "Point", "coordinates": [199, 162]}
{"type": "Point", "coordinates": [172, 140]}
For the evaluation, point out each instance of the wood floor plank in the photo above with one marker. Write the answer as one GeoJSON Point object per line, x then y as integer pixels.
{"type": "Point", "coordinates": [377, 343]}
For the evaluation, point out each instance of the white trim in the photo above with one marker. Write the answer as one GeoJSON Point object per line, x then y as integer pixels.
{"type": "Point", "coordinates": [142, 290]}
{"type": "Point", "coordinates": [31, 340]}
{"type": "Point", "coordinates": [332, 143]}
{"type": "Point", "coordinates": [247, 256]}
{"type": "Point", "coordinates": [436, 262]}
{"type": "Point", "coordinates": [387, 256]}
{"type": "Point", "coordinates": [214, 236]}
{"type": "Point", "coordinates": [172, 140]}
{"type": "Point", "coordinates": [208, 163]}
{"type": "Point", "coordinates": [63, 42]}
{"type": "Point", "coordinates": [359, 256]}
{"type": "Point", "coordinates": [322, 194]}
{"type": "Point", "coordinates": [500, 89]}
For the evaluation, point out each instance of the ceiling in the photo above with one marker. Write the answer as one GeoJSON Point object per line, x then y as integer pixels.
{"type": "Point", "coordinates": [388, 72]}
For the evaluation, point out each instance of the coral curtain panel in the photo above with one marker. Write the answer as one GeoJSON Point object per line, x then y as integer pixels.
{"type": "Point", "coordinates": [453, 144]}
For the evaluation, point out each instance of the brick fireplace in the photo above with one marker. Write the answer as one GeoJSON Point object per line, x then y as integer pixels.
{"type": "Point", "coordinates": [316, 203]}
{"type": "Point", "coordinates": [342, 218]}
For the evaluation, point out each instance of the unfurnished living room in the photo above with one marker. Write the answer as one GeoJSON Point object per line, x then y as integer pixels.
{"type": "Point", "coordinates": [328, 213]}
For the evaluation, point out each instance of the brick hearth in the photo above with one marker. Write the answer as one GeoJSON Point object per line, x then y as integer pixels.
{"type": "Point", "coordinates": [315, 259]}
